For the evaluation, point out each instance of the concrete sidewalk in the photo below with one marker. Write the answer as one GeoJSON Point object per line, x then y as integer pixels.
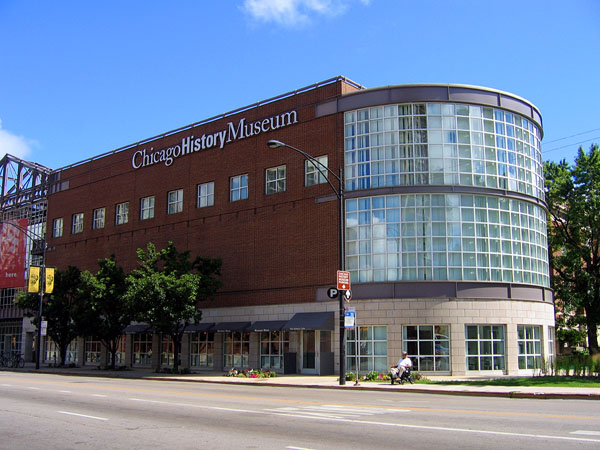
{"type": "Point", "coordinates": [331, 382]}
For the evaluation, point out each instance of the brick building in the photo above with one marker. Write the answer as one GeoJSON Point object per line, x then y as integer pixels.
{"type": "Point", "coordinates": [444, 223]}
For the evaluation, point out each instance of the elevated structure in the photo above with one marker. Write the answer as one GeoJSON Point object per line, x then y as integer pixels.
{"type": "Point", "coordinates": [23, 195]}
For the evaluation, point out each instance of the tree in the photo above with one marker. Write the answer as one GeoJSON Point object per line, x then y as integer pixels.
{"type": "Point", "coordinates": [103, 311]}
{"type": "Point", "coordinates": [573, 196]}
{"type": "Point", "coordinates": [59, 308]}
{"type": "Point", "coordinates": [165, 290]}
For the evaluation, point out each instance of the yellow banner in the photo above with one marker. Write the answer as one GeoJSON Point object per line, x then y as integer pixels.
{"type": "Point", "coordinates": [49, 280]}
{"type": "Point", "coordinates": [34, 279]}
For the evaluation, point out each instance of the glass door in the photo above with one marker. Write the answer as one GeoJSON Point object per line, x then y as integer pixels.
{"type": "Point", "coordinates": [309, 352]}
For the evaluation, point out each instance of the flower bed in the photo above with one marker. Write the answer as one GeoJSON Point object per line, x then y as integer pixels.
{"type": "Point", "coordinates": [251, 373]}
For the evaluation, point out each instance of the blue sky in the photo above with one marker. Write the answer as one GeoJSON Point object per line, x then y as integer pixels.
{"type": "Point", "coordinates": [80, 78]}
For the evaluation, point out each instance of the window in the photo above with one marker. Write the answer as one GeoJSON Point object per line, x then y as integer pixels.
{"type": "Point", "coordinates": [57, 227]}
{"type": "Point", "coordinates": [77, 226]}
{"type": "Point", "coordinates": [51, 353]}
{"type": "Point", "coordinates": [72, 352]}
{"type": "Point", "coordinates": [202, 349]}
{"type": "Point", "coordinates": [236, 347]}
{"type": "Point", "coordinates": [551, 347]}
{"type": "Point", "coordinates": [530, 347]}
{"type": "Point", "coordinates": [312, 174]}
{"type": "Point", "coordinates": [238, 188]}
{"type": "Point", "coordinates": [167, 354]}
{"type": "Point", "coordinates": [122, 213]}
{"type": "Point", "coordinates": [428, 346]}
{"type": "Point", "coordinates": [98, 218]}
{"type": "Point", "coordinates": [142, 349]}
{"type": "Point", "coordinates": [273, 345]}
{"type": "Point", "coordinates": [119, 355]}
{"type": "Point", "coordinates": [147, 208]}
{"type": "Point", "coordinates": [371, 342]}
{"type": "Point", "coordinates": [92, 351]}
{"type": "Point", "coordinates": [11, 332]}
{"type": "Point", "coordinates": [275, 180]}
{"type": "Point", "coordinates": [485, 347]}
{"type": "Point", "coordinates": [206, 194]}
{"type": "Point", "coordinates": [175, 201]}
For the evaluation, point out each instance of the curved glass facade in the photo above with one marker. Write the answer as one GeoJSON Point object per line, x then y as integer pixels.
{"type": "Point", "coordinates": [442, 144]}
{"type": "Point", "coordinates": [472, 237]}
{"type": "Point", "coordinates": [444, 236]}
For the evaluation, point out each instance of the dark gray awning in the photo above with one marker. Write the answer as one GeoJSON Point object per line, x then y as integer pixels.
{"type": "Point", "coordinates": [311, 321]}
{"type": "Point", "coordinates": [268, 325]}
{"type": "Point", "coordinates": [199, 327]}
{"type": "Point", "coordinates": [137, 328]}
{"type": "Point", "coordinates": [226, 327]}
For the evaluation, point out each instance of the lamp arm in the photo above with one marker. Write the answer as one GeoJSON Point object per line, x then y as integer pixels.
{"type": "Point", "coordinates": [320, 166]}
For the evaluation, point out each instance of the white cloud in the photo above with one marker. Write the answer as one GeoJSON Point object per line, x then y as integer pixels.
{"type": "Point", "coordinates": [295, 12]}
{"type": "Point", "coordinates": [15, 145]}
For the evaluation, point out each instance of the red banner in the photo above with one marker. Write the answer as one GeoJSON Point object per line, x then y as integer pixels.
{"type": "Point", "coordinates": [12, 253]}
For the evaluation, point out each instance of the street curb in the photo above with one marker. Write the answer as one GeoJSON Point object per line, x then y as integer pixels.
{"type": "Point", "coordinates": [512, 394]}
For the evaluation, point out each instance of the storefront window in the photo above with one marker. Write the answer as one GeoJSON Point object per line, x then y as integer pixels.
{"type": "Point", "coordinates": [202, 347]}
{"type": "Point", "coordinates": [236, 348]}
{"type": "Point", "coordinates": [428, 346]}
{"type": "Point", "coordinates": [120, 355]}
{"type": "Point", "coordinates": [485, 347]}
{"type": "Point", "coordinates": [273, 345]}
{"type": "Point", "coordinates": [142, 349]}
{"type": "Point", "coordinates": [167, 353]}
{"type": "Point", "coordinates": [369, 345]}
{"type": "Point", "coordinates": [92, 351]}
{"type": "Point", "coordinates": [530, 346]}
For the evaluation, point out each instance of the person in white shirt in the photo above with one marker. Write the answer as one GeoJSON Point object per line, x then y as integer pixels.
{"type": "Point", "coordinates": [403, 364]}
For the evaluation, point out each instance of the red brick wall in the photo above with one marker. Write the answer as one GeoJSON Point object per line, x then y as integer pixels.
{"type": "Point", "coordinates": [275, 248]}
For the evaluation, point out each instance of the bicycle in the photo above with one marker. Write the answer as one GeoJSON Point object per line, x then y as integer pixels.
{"type": "Point", "coordinates": [17, 361]}
{"type": "Point", "coordinates": [4, 360]}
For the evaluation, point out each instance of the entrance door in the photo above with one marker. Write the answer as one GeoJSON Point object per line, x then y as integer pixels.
{"type": "Point", "coordinates": [310, 352]}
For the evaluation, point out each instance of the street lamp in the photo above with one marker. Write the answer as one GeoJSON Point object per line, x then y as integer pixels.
{"type": "Point", "coordinates": [35, 236]}
{"type": "Point", "coordinates": [339, 192]}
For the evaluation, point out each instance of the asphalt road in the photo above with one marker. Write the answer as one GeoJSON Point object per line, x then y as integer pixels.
{"type": "Point", "coordinates": [39, 411]}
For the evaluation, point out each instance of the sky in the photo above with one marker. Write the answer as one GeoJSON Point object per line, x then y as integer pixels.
{"type": "Point", "coordinates": [78, 78]}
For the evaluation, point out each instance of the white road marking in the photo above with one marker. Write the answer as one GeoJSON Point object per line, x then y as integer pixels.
{"type": "Point", "coordinates": [65, 392]}
{"type": "Point", "coordinates": [430, 428]}
{"type": "Point", "coordinates": [336, 411]}
{"type": "Point", "coordinates": [299, 448]}
{"type": "Point", "coordinates": [194, 406]}
{"type": "Point", "coordinates": [34, 388]}
{"type": "Point", "coordinates": [281, 412]}
{"type": "Point", "coordinates": [99, 395]}
{"type": "Point", "coordinates": [586, 432]}
{"type": "Point", "coordinates": [81, 415]}
{"type": "Point", "coordinates": [6, 385]}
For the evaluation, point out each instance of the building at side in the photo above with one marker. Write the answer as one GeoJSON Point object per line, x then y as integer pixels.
{"type": "Point", "coordinates": [444, 228]}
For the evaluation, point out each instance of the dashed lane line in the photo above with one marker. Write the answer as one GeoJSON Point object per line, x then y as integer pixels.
{"type": "Point", "coordinates": [69, 413]}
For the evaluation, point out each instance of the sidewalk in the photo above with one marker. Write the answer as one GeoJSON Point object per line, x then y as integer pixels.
{"type": "Point", "coordinates": [331, 382]}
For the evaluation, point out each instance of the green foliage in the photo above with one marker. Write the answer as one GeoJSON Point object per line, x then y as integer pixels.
{"type": "Point", "coordinates": [573, 197]}
{"type": "Point", "coordinates": [103, 311]}
{"type": "Point", "coordinates": [251, 373]}
{"type": "Point", "coordinates": [165, 290]}
{"type": "Point", "coordinates": [578, 365]}
{"type": "Point", "coordinates": [60, 308]}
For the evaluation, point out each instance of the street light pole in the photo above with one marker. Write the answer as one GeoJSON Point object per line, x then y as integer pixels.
{"type": "Point", "coordinates": [38, 341]}
{"type": "Point", "coordinates": [339, 192]}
